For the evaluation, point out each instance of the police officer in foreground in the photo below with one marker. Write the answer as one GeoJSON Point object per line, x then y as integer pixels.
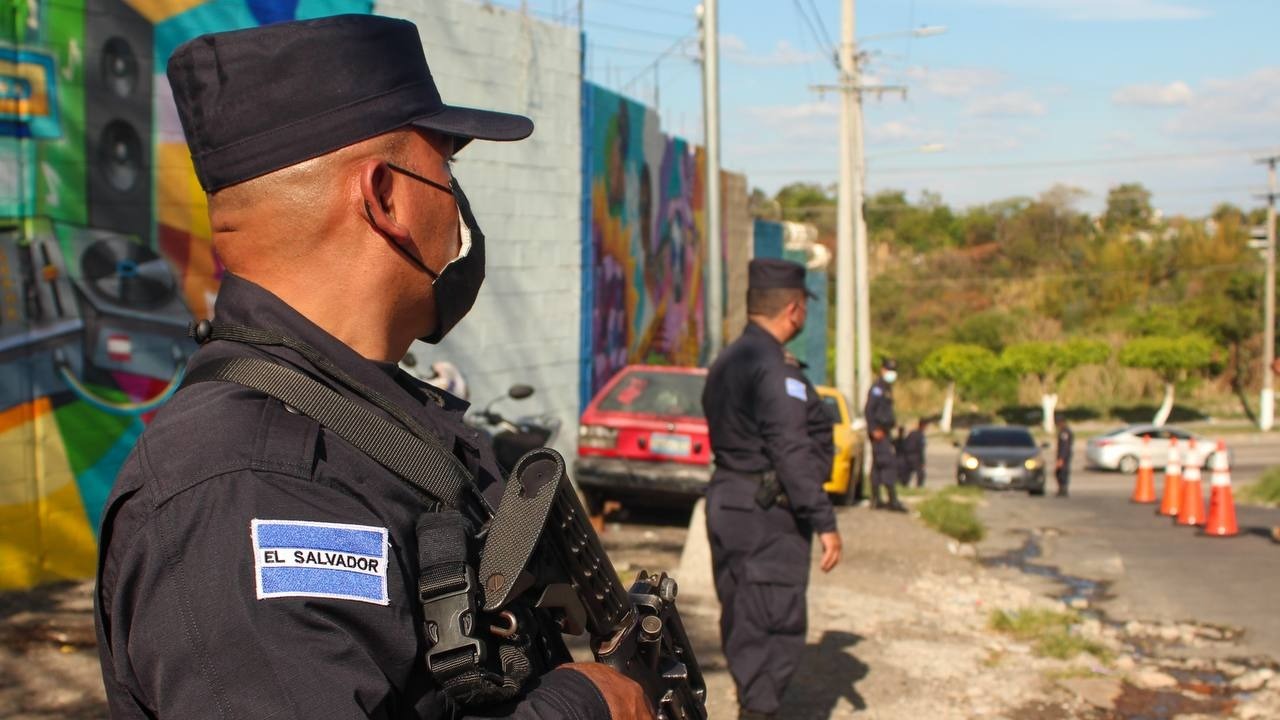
{"type": "Point", "coordinates": [881, 421]}
{"type": "Point", "coordinates": [765, 500]}
{"type": "Point", "coordinates": [1062, 466]}
{"type": "Point", "coordinates": [253, 563]}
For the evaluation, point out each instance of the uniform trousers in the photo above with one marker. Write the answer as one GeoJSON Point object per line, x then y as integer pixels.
{"type": "Point", "coordinates": [760, 559]}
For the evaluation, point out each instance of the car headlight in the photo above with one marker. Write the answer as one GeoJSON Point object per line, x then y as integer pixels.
{"type": "Point", "coordinates": [597, 436]}
{"type": "Point", "coordinates": [1033, 464]}
{"type": "Point", "coordinates": [969, 462]}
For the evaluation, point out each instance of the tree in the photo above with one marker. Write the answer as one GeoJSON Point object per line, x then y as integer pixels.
{"type": "Point", "coordinates": [1173, 359]}
{"type": "Point", "coordinates": [1049, 362]}
{"type": "Point", "coordinates": [761, 206]}
{"type": "Point", "coordinates": [1128, 206]}
{"type": "Point", "coordinates": [808, 202]}
{"type": "Point", "coordinates": [958, 365]}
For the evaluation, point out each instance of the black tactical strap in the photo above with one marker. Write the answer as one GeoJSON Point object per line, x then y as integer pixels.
{"type": "Point", "coordinates": [425, 465]}
{"type": "Point", "coordinates": [206, 330]}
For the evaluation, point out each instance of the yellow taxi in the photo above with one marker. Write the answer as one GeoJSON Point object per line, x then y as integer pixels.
{"type": "Point", "coordinates": [846, 467]}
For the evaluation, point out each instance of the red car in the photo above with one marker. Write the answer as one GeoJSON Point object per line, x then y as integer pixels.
{"type": "Point", "coordinates": [643, 439]}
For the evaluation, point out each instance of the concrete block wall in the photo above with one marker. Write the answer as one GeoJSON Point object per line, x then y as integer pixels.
{"type": "Point", "coordinates": [527, 198]}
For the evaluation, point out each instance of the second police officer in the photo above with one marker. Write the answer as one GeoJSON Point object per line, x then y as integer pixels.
{"type": "Point", "coordinates": [765, 500]}
{"type": "Point", "coordinates": [880, 424]}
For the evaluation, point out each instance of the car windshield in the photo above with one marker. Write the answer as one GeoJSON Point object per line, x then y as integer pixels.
{"type": "Point", "coordinates": [1001, 437]}
{"type": "Point", "coordinates": [649, 392]}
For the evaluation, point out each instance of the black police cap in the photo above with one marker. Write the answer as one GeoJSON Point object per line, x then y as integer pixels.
{"type": "Point", "coordinates": [774, 274]}
{"type": "Point", "coordinates": [888, 364]}
{"type": "Point", "coordinates": [257, 100]}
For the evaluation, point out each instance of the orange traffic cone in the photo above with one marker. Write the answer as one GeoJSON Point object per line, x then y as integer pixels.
{"type": "Point", "coordinates": [1222, 508]}
{"type": "Point", "coordinates": [1172, 481]}
{"type": "Point", "coordinates": [1144, 489]}
{"type": "Point", "coordinates": [1191, 507]}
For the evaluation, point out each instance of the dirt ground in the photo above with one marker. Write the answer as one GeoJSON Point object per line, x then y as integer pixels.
{"type": "Point", "coordinates": [901, 629]}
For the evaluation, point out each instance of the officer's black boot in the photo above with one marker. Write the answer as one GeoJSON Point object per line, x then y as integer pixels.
{"type": "Point", "coordinates": [894, 505]}
{"type": "Point", "coordinates": [745, 714]}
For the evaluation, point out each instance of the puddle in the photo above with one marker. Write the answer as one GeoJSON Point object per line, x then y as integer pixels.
{"type": "Point", "coordinates": [1137, 704]}
{"type": "Point", "coordinates": [1199, 691]}
{"type": "Point", "coordinates": [1076, 588]}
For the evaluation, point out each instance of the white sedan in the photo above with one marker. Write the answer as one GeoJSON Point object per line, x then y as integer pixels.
{"type": "Point", "coordinates": [1122, 449]}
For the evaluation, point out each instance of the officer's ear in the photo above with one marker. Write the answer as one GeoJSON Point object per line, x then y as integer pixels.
{"type": "Point", "coordinates": [376, 185]}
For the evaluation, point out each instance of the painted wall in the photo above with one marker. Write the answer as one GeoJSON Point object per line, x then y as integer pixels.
{"type": "Point", "coordinates": [645, 264]}
{"type": "Point", "coordinates": [104, 238]}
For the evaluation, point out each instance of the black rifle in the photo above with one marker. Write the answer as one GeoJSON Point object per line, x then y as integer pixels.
{"type": "Point", "coordinates": [551, 558]}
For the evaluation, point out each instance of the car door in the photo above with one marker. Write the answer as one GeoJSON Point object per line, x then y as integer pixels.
{"type": "Point", "coordinates": [1159, 447]}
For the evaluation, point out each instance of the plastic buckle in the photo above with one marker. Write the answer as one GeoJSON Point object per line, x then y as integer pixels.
{"type": "Point", "coordinates": [450, 620]}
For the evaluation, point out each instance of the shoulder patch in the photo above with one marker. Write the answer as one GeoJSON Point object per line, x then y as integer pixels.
{"type": "Point", "coordinates": [298, 558]}
{"type": "Point", "coordinates": [876, 390]}
{"type": "Point", "coordinates": [796, 389]}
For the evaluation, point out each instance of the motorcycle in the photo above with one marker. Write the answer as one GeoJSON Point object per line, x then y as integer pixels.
{"type": "Point", "coordinates": [512, 438]}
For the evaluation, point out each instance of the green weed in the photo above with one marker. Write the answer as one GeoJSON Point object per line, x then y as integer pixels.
{"type": "Point", "coordinates": [1049, 631]}
{"type": "Point", "coordinates": [1264, 492]}
{"type": "Point", "coordinates": [952, 513]}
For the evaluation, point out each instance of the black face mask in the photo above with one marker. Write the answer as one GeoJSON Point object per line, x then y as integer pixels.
{"type": "Point", "coordinates": [457, 285]}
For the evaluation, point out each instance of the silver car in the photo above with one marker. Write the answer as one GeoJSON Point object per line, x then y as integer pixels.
{"type": "Point", "coordinates": [1121, 449]}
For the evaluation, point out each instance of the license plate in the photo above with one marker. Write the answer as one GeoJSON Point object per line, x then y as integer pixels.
{"type": "Point", "coordinates": [667, 444]}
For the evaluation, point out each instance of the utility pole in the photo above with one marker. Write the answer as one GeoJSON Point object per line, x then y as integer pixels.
{"type": "Point", "coordinates": [849, 116]}
{"type": "Point", "coordinates": [853, 284]}
{"type": "Point", "coordinates": [1266, 410]}
{"type": "Point", "coordinates": [710, 22]}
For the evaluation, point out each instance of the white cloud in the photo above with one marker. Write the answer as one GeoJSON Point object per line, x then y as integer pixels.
{"type": "Point", "coordinates": [955, 81]}
{"type": "Point", "coordinates": [735, 50]}
{"type": "Point", "coordinates": [1154, 95]}
{"type": "Point", "coordinates": [1006, 104]}
{"type": "Point", "coordinates": [1239, 111]}
{"type": "Point", "coordinates": [895, 130]}
{"type": "Point", "coordinates": [1109, 10]}
{"type": "Point", "coordinates": [781, 114]}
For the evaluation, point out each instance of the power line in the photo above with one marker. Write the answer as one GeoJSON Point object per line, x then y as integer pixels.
{"type": "Point", "coordinates": [813, 30]}
{"type": "Point", "coordinates": [677, 44]}
{"type": "Point", "coordinates": [647, 8]}
{"type": "Point", "coordinates": [631, 30]}
{"type": "Point", "coordinates": [831, 45]}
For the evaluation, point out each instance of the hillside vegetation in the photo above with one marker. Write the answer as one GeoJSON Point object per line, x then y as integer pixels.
{"type": "Point", "coordinates": [1029, 304]}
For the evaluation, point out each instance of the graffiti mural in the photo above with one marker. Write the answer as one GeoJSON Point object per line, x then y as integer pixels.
{"type": "Point", "coordinates": [645, 263]}
{"type": "Point", "coordinates": [104, 254]}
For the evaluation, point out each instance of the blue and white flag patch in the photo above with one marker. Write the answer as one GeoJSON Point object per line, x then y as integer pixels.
{"type": "Point", "coordinates": [299, 558]}
{"type": "Point", "coordinates": [795, 388]}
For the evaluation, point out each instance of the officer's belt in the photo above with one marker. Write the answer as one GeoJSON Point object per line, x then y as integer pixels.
{"type": "Point", "coordinates": [769, 490]}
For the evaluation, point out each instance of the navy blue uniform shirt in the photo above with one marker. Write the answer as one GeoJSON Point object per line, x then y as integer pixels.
{"type": "Point", "coordinates": [758, 417]}
{"type": "Point", "coordinates": [913, 444]}
{"type": "Point", "coordinates": [1066, 439]}
{"type": "Point", "coordinates": [255, 565]}
{"type": "Point", "coordinates": [879, 410]}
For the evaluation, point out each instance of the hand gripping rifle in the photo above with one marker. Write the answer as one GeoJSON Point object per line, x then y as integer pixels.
{"type": "Point", "coordinates": [542, 548]}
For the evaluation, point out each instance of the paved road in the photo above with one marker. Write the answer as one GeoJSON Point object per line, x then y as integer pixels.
{"type": "Point", "coordinates": [1154, 570]}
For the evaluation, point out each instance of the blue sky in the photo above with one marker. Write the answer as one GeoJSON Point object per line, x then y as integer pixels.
{"type": "Point", "coordinates": [1179, 95]}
